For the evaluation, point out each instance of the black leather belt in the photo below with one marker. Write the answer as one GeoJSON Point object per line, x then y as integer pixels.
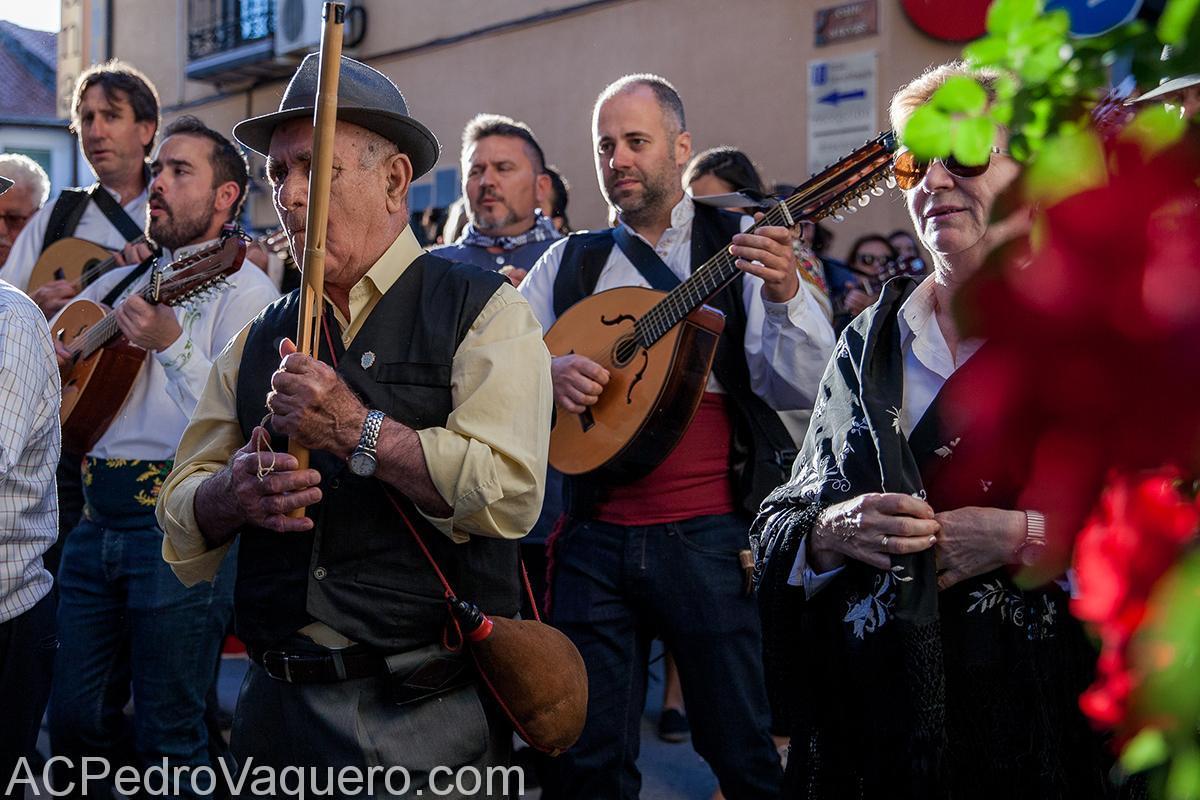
{"type": "Point", "coordinates": [336, 665]}
{"type": "Point", "coordinates": [411, 676]}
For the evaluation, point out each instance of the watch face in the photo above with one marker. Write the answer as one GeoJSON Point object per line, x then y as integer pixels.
{"type": "Point", "coordinates": [1031, 552]}
{"type": "Point", "coordinates": [362, 463]}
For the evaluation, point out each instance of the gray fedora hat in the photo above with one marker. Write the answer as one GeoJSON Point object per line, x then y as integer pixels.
{"type": "Point", "coordinates": [365, 97]}
{"type": "Point", "coordinates": [5, 184]}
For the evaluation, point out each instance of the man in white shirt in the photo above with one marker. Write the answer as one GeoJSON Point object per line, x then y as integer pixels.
{"type": "Point", "coordinates": [661, 555]}
{"type": "Point", "coordinates": [114, 112]}
{"type": "Point", "coordinates": [125, 618]}
{"type": "Point", "coordinates": [29, 443]}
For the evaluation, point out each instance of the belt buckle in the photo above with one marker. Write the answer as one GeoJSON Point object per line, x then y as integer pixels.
{"type": "Point", "coordinates": [286, 658]}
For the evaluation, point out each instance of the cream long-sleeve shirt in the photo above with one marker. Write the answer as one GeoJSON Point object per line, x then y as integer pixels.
{"type": "Point", "coordinates": [488, 462]}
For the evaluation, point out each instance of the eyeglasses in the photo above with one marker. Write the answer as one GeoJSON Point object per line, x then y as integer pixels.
{"type": "Point", "coordinates": [909, 170]}
{"type": "Point", "coordinates": [870, 259]}
{"type": "Point", "coordinates": [14, 221]}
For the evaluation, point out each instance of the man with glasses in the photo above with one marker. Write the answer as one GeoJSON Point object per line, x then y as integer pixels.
{"type": "Point", "coordinates": [29, 191]}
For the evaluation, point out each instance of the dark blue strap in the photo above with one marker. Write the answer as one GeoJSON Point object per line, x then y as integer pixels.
{"type": "Point", "coordinates": [647, 262]}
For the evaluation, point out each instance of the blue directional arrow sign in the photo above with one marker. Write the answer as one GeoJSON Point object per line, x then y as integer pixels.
{"type": "Point", "coordinates": [833, 98]}
{"type": "Point", "coordinates": [1096, 17]}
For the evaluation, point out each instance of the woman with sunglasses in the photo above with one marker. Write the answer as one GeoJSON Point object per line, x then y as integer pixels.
{"type": "Point", "coordinates": [911, 662]}
{"type": "Point", "coordinates": [872, 259]}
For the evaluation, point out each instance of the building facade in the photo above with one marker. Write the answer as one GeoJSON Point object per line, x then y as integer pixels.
{"type": "Point", "coordinates": [791, 82]}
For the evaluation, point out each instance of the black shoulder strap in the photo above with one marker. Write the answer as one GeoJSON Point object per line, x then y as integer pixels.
{"type": "Point", "coordinates": [115, 214]}
{"type": "Point", "coordinates": [584, 256]}
{"type": "Point", "coordinates": [64, 217]}
{"type": "Point", "coordinates": [124, 283]}
{"type": "Point", "coordinates": [646, 261]}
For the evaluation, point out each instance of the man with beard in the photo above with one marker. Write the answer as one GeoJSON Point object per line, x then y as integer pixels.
{"type": "Point", "coordinates": [506, 184]}
{"type": "Point", "coordinates": [124, 619]}
{"type": "Point", "coordinates": [29, 189]}
{"type": "Point", "coordinates": [661, 556]}
{"type": "Point", "coordinates": [114, 112]}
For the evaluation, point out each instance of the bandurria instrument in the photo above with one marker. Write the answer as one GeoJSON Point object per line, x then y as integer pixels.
{"type": "Point", "coordinates": [658, 347]}
{"type": "Point", "coordinates": [75, 260]}
{"type": "Point", "coordinates": [104, 364]}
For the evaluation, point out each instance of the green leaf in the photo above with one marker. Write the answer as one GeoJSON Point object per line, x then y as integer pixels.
{"type": "Point", "coordinates": [1066, 164]}
{"type": "Point", "coordinates": [986, 51]}
{"type": "Point", "coordinates": [1175, 20]}
{"type": "Point", "coordinates": [928, 132]}
{"type": "Point", "coordinates": [1002, 112]}
{"type": "Point", "coordinates": [1183, 781]}
{"type": "Point", "coordinates": [1005, 15]}
{"type": "Point", "coordinates": [1155, 128]}
{"type": "Point", "coordinates": [973, 137]}
{"type": "Point", "coordinates": [1042, 62]}
{"type": "Point", "coordinates": [959, 95]}
{"type": "Point", "coordinates": [1146, 750]}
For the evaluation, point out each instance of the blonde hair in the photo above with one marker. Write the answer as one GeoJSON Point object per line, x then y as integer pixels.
{"type": "Point", "coordinates": [916, 93]}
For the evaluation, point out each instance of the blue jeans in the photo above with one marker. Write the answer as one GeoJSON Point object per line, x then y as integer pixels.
{"type": "Point", "coordinates": [614, 590]}
{"type": "Point", "coordinates": [126, 622]}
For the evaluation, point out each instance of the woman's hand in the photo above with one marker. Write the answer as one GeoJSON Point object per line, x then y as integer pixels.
{"type": "Point", "coordinates": [871, 528]}
{"type": "Point", "coordinates": [974, 541]}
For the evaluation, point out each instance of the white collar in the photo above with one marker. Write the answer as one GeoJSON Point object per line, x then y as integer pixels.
{"type": "Point", "coordinates": [920, 331]}
{"type": "Point", "coordinates": [682, 214]}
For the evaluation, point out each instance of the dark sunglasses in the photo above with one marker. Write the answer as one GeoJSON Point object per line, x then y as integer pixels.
{"type": "Point", "coordinates": [909, 170]}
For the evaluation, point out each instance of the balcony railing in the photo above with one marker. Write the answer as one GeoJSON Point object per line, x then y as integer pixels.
{"type": "Point", "coordinates": [220, 26]}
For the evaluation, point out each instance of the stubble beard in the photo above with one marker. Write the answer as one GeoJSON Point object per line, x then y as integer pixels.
{"type": "Point", "coordinates": [644, 208]}
{"type": "Point", "coordinates": [484, 225]}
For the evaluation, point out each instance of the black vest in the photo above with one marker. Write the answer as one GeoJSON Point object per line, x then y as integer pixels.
{"type": "Point", "coordinates": [763, 450]}
{"type": "Point", "coordinates": [359, 570]}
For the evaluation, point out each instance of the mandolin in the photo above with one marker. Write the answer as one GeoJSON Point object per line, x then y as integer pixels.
{"type": "Point", "coordinates": [104, 365]}
{"type": "Point", "coordinates": [76, 260]}
{"type": "Point", "coordinates": [658, 347]}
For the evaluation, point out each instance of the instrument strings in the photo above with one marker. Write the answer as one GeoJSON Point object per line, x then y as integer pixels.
{"type": "Point", "coordinates": [819, 197]}
{"type": "Point", "coordinates": [98, 268]}
{"type": "Point", "coordinates": [100, 333]}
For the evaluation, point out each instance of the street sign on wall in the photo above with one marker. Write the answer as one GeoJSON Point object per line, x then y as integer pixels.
{"type": "Point", "coordinates": [948, 20]}
{"type": "Point", "coordinates": [845, 22]}
{"type": "Point", "coordinates": [841, 106]}
{"type": "Point", "coordinates": [1096, 17]}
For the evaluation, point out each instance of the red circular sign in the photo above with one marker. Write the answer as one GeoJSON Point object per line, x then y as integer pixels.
{"type": "Point", "coordinates": [949, 20]}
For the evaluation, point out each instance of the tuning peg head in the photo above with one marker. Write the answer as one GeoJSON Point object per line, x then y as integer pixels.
{"type": "Point", "coordinates": [876, 189]}
{"type": "Point", "coordinates": [863, 199]}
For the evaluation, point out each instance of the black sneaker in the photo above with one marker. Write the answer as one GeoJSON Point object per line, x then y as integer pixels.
{"type": "Point", "coordinates": [673, 726]}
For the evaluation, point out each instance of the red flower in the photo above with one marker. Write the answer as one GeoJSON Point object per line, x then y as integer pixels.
{"type": "Point", "coordinates": [1093, 344]}
{"type": "Point", "coordinates": [1137, 533]}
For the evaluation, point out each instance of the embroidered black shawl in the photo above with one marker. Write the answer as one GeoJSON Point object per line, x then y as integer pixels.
{"type": "Point", "coordinates": [888, 688]}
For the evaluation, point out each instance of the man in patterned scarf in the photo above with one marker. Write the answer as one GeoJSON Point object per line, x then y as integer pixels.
{"type": "Point", "coordinates": [505, 183]}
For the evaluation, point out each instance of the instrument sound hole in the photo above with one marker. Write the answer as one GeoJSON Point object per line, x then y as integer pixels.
{"type": "Point", "coordinates": [627, 347]}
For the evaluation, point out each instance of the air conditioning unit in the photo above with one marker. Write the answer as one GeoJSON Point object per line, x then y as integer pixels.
{"type": "Point", "coordinates": [298, 27]}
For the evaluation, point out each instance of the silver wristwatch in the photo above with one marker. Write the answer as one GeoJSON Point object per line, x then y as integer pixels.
{"type": "Point", "coordinates": [362, 460]}
{"type": "Point", "coordinates": [1030, 551]}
